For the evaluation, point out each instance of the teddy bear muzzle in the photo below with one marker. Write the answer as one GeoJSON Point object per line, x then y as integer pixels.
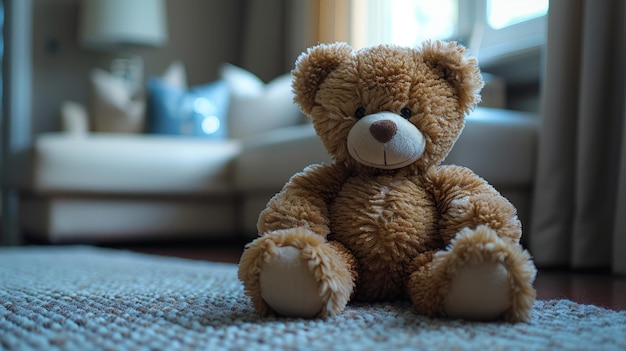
{"type": "Point", "coordinates": [385, 140]}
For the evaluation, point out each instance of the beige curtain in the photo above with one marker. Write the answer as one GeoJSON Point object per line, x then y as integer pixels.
{"type": "Point", "coordinates": [580, 195]}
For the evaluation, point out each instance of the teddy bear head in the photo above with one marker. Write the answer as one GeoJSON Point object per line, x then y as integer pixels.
{"type": "Point", "coordinates": [387, 107]}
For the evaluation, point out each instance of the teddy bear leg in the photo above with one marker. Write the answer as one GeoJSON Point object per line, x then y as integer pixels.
{"type": "Point", "coordinates": [480, 276]}
{"type": "Point", "coordinates": [297, 273]}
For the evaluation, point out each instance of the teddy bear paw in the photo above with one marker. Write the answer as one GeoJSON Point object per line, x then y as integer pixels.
{"type": "Point", "coordinates": [479, 292]}
{"type": "Point", "coordinates": [288, 286]}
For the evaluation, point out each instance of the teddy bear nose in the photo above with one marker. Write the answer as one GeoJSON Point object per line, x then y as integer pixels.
{"type": "Point", "coordinates": [383, 130]}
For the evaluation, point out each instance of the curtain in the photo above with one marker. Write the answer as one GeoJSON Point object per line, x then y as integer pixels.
{"type": "Point", "coordinates": [579, 206]}
{"type": "Point", "coordinates": [274, 33]}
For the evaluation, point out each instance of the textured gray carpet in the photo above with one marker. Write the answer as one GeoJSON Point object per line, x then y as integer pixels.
{"type": "Point", "coordinates": [81, 298]}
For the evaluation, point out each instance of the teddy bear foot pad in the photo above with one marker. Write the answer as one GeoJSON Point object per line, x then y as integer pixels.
{"type": "Point", "coordinates": [288, 286]}
{"type": "Point", "coordinates": [480, 292]}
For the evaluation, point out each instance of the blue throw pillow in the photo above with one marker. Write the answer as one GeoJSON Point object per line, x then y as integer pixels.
{"type": "Point", "coordinates": [200, 111]}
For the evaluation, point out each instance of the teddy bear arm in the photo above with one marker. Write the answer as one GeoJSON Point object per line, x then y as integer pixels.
{"type": "Point", "coordinates": [304, 200]}
{"type": "Point", "coordinates": [465, 200]}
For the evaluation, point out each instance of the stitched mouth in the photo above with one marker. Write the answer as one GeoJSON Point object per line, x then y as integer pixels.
{"type": "Point", "coordinates": [385, 164]}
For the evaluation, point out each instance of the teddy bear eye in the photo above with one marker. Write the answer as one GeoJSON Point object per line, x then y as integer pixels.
{"type": "Point", "coordinates": [360, 112]}
{"type": "Point", "coordinates": [406, 112]}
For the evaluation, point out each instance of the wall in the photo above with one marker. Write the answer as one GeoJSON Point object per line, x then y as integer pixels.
{"type": "Point", "coordinates": [202, 33]}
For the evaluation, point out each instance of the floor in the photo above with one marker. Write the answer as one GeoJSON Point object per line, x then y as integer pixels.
{"type": "Point", "coordinates": [590, 287]}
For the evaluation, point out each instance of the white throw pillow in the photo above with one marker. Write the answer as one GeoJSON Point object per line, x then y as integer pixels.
{"type": "Point", "coordinates": [256, 107]}
{"type": "Point", "coordinates": [175, 75]}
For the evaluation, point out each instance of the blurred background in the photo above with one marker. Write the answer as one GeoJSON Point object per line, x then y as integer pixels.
{"type": "Point", "coordinates": [266, 38]}
{"type": "Point", "coordinates": [554, 67]}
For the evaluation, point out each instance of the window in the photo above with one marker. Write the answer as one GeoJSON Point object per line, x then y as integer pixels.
{"type": "Point", "coordinates": [492, 29]}
{"type": "Point", "coordinates": [504, 13]}
{"type": "Point", "coordinates": [402, 22]}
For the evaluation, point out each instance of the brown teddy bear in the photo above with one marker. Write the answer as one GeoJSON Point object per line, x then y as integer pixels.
{"type": "Point", "coordinates": [385, 220]}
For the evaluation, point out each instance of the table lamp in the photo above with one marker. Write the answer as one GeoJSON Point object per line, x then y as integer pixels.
{"type": "Point", "coordinates": [118, 26]}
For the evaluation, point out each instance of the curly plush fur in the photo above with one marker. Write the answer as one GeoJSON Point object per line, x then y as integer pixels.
{"type": "Point", "coordinates": [368, 228]}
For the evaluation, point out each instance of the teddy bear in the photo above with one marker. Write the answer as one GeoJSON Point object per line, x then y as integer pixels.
{"type": "Point", "coordinates": [386, 221]}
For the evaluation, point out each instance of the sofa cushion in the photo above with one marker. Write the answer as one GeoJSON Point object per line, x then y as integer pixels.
{"type": "Point", "coordinates": [499, 145]}
{"type": "Point", "coordinates": [269, 159]}
{"type": "Point", "coordinates": [101, 219]}
{"type": "Point", "coordinates": [130, 164]}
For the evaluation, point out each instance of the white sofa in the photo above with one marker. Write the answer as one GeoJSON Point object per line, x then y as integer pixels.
{"type": "Point", "coordinates": [101, 187]}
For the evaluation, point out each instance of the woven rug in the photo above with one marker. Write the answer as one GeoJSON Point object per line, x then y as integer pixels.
{"type": "Point", "coordinates": [83, 298]}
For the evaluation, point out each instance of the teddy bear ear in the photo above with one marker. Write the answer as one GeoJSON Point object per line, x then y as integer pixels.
{"type": "Point", "coordinates": [312, 68]}
{"type": "Point", "coordinates": [452, 62]}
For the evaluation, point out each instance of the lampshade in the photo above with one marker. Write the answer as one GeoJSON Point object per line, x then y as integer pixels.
{"type": "Point", "coordinates": [114, 24]}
